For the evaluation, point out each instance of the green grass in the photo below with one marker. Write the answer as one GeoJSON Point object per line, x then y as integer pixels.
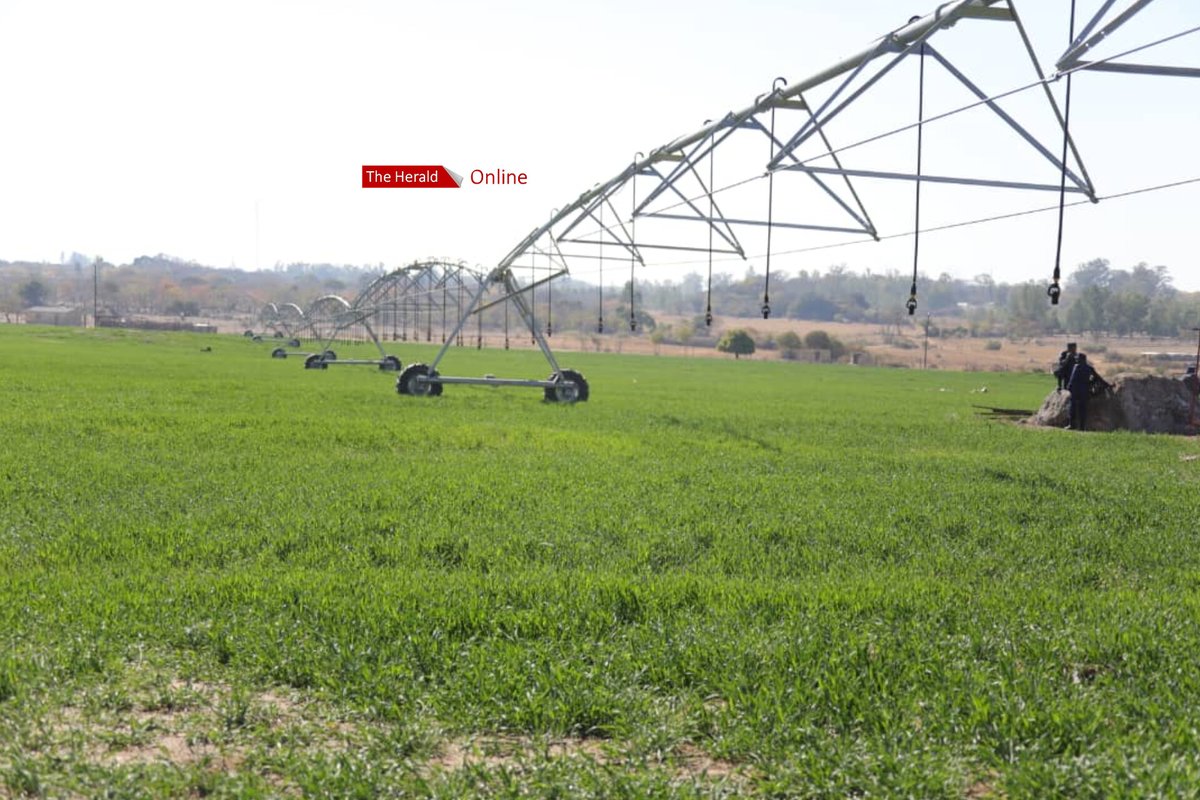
{"type": "Point", "coordinates": [221, 574]}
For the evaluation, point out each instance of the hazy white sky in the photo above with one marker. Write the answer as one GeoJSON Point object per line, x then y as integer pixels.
{"type": "Point", "coordinates": [233, 133]}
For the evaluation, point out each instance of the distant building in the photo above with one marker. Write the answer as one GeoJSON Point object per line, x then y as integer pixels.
{"type": "Point", "coordinates": [1169, 356]}
{"type": "Point", "coordinates": [54, 315]}
{"type": "Point", "coordinates": [808, 355]}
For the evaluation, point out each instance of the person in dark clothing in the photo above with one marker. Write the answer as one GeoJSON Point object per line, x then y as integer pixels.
{"type": "Point", "coordinates": [1066, 362]}
{"type": "Point", "coordinates": [1080, 385]}
{"type": "Point", "coordinates": [1191, 380]}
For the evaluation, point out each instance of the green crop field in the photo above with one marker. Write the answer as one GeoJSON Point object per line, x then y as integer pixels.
{"type": "Point", "coordinates": [221, 574]}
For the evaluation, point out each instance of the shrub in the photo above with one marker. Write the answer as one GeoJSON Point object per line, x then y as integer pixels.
{"type": "Point", "coordinates": [820, 340]}
{"type": "Point", "coordinates": [790, 340]}
{"type": "Point", "coordinates": [736, 341]}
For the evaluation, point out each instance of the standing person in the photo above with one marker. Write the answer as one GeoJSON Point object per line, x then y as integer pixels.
{"type": "Point", "coordinates": [1066, 362]}
{"type": "Point", "coordinates": [1080, 386]}
{"type": "Point", "coordinates": [1191, 380]}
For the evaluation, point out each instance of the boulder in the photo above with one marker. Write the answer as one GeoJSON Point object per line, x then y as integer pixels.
{"type": "Point", "coordinates": [1143, 403]}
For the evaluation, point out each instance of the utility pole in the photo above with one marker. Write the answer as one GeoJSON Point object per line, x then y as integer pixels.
{"type": "Point", "coordinates": [96, 292]}
{"type": "Point", "coordinates": [925, 357]}
{"type": "Point", "coordinates": [1195, 387]}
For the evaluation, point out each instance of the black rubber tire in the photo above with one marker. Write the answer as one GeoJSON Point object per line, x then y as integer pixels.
{"type": "Point", "coordinates": [578, 394]}
{"type": "Point", "coordinates": [390, 364]}
{"type": "Point", "coordinates": [256, 338]}
{"type": "Point", "coordinates": [279, 352]}
{"type": "Point", "coordinates": [407, 383]}
{"type": "Point", "coordinates": [278, 334]}
{"type": "Point", "coordinates": [249, 334]}
{"type": "Point", "coordinates": [329, 355]}
{"type": "Point", "coordinates": [315, 361]}
{"type": "Point", "coordinates": [293, 342]}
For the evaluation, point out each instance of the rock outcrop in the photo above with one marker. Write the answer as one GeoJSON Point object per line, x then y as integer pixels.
{"type": "Point", "coordinates": [1144, 403]}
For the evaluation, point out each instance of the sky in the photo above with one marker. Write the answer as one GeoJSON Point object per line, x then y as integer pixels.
{"type": "Point", "coordinates": [234, 133]}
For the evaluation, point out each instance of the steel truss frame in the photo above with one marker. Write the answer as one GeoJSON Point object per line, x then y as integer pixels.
{"type": "Point", "coordinates": [329, 316]}
{"type": "Point", "coordinates": [415, 294]}
{"type": "Point", "coordinates": [286, 319]}
{"type": "Point", "coordinates": [675, 188]}
{"type": "Point", "coordinates": [1101, 26]}
{"type": "Point", "coordinates": [565, 386]}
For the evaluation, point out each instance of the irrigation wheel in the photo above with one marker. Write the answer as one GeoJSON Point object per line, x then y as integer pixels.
{"type": "Point", "coordinates": [315, 361]}
{"type": "Point", "coordinates": [390, 364]}
{"type": "Point", "coordinates": [407, 383]}
{"type": "Point", "coordinates": [293, 342]}
{"type": "Point", "coordinates": [561, 392]}
{"type": "Point", "coordinates": [279, 352]}
{"type": "Point", "coordinates": [329, 355]}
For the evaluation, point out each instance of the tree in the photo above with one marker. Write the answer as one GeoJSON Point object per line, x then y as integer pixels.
{"type": "Point", "coordinates": [1149, 281]}
{"type": "Point", "coordinates": [1087, 313]}
{"type": "Point", "coordinates": [821, 340]}
{"type": "Point", "coordinates": [684, 331]}
{"type": "Point", "coordinates": [1126, 312]}
{"type": "Point", "coordinates": [1029, 314]}
{"type": "Point", "coordinates": [1164, 317]}
{"type": "Point", "coordinates": [184, 308]}
{"type": "Point", "coordinates": [643, 322]}
{"type": "Point", "coordinates": [34, 293]}
{"type": "Point", "coordinates": [815, 307]}
{"type": "Point", "coordinates": [1093, 273]}
{"type": "Point", "coordinates": [738, 342]}
{"type": "Point", "coordinates": [789, 342]}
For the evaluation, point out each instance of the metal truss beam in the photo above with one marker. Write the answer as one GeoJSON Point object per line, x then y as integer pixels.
{"type": "Point", "coordinates": [1072, 59]}
{"type": "Point", "coordinates": [669, 185]}
{"type": "Point", "coordinates": [906, 176]}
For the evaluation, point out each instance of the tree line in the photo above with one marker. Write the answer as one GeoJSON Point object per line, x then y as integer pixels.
{"type": "Point", "coordinates": [1098, 297]}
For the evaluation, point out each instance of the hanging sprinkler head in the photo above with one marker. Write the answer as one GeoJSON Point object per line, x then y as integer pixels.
{"type": "Point", "coordinates": [911, 305]}
{"type": "Point", "coordinates": [633, 325]}
{"type": "Point", "coordinates": [600, 326]}
{"type": "Point", "coordinates": [549, 330]}
{"type": "Point", "coordinates": [1054, 291]}
{"type": "Point", "coordinates": [708, 318]}
{"type": "Point", "coordinates": [766, 310]}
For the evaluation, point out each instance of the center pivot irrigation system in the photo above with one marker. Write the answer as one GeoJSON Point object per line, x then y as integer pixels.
{"type": "Point", "coordinates": [792, 127]}
{"type": "Point", "coordinates": [286, 320]}
{"type": "Point", "coordinates": [417, 303]}
{"type": "Point", "coordinates": [773, 170]}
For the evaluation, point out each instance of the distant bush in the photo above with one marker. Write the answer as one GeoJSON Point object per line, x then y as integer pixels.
{"type": "Point", "coordinates": [790, 340]}
{"type": "Point", "coordinates": [821, 340]}
{"type": "Point", "coordinates": [992, 344]}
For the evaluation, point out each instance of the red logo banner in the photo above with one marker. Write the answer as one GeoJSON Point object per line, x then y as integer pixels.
{"type": "Point", "coordinates": [409, 177]}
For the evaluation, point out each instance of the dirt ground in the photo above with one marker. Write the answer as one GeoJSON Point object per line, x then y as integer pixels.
{"type": "Point", "coordinates": [905, 346]}
{"type": "Point", "coordinates": [900, 345]}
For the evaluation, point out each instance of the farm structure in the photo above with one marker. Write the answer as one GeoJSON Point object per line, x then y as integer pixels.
{"type": "Point", "coordinates": [54, 315]}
